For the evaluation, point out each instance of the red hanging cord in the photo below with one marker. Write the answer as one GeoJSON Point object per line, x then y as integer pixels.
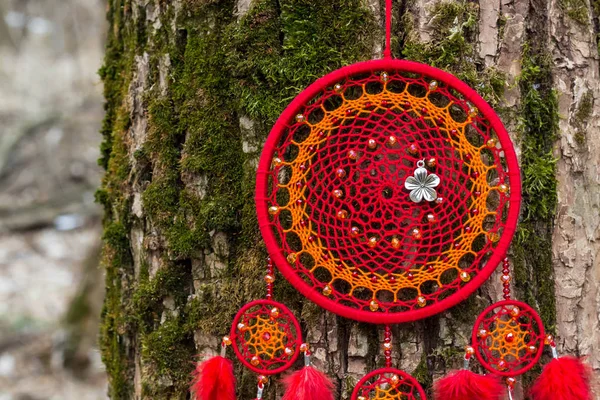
{"type": "Point", "coordinates": [387, 53]}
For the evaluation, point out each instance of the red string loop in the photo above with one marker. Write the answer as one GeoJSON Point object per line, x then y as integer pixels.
{"type": "Point", "coordinates": [387, 53]}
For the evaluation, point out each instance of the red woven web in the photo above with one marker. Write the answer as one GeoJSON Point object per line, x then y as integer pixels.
{"type": "Point", "coordinates": [266, 337]}
{"type": "Point", "coordinates": [340, 223]}
{"type": "Point", "coordinates": [389, 384]}
{"type": "Point", "coordinates": [508, 338]}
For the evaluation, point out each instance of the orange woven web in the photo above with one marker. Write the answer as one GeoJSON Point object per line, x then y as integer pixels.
{"type": "Point", "coordinates": [339, 208]}
{"type": "Point", "coordinates": [391, 385]}
{"type": "Point", "coordinates": [509, 339]}
{"type": "Point", "coordinates": [266, 337]}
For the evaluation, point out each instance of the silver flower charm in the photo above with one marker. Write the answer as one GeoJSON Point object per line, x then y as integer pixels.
{"type": "Point", "coordinates": [422, 184]}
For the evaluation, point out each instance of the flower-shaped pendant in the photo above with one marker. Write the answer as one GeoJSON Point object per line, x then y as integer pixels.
{"type": "Point", "coordinates": [422, 185]}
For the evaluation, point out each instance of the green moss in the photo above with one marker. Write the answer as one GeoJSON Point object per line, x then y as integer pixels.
{"type": "Point", "coordinates": [577, 10]}
{"type": "Point", "coordinates": [532, 248]}
{"type": "Point", "coordinates": [581, 116]}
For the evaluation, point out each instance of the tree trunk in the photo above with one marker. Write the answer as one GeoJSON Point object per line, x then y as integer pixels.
{"type": "Point", "coordinates": [192, 88]}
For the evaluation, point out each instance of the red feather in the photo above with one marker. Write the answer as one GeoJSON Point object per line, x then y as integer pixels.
{"type": "Point", "coordinates": [565, 378]}
{"type": "Point", "coordinates": [467, 385]}
{"type": "Point", "coordinates": [308, 384]}
{"type": "Point", "coordinates": [214, 380]}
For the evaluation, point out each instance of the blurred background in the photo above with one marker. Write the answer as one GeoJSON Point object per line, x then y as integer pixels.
{"type": "Point", "coordinates": [51, 287]}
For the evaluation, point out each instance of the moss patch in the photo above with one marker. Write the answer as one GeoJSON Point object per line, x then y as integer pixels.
{"type": "Point", "coordinates": [577, 10]}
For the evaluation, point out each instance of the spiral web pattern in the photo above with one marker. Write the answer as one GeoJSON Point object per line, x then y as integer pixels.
{"type": "Point", "coordinates": [266, 337]}
{"type": "Point", "coordinates": [339, 209]}
{"type": "Point", "coordinates": [509, 338]}
{"type": "Point", "coordinates": [388, 384]}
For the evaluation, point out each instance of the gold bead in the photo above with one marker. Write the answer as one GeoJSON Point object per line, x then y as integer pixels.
{"type": "Point", "coordinates": [439, 200]}
{"type": "Point", "coordinates": [416, 233]}
{"type": "Point", "coordinates": [501, 365]}
{"type": "Point", "coordinates": [277, 161]}
{"type": "Point", "coordinates": [292, 257]}
{"type": "Point", "coordinates": [469, 350]}
{"type": "Point", "coordinates": [421, 301]}
{"type": "Point", "coordinates": [433, 85]}
{"type": "Point", "coordinates": [515, 312]}
{"type": "Point", "coordinates": [473, 111]}
{"type": "Point", "coordinates": [327, 290]}
{"type": "Point", "coordinates": [431, 218]}
{"type": "Point", "coordinates": [372, 144]}
{"type": "Point", "coordinates": [431, 162]}
{"type": "Point", "coordinates": [505, 278]}
{"type": "Point", "coordinates": [354, 231]}
{"type": "Point", "coordinates": [392, 140]}
{"type": "Point", "coordinates": [340, 173]}
{"type": "Point", "coordinates": [491, 143]}
{"type": "Point", "coordinates": [353, 155]}
{"type": "Point", "coordinates": [300, 118]}
{"type": "Point", "coordinates": [374, 306]}
{"type": "Point", "coordinates": [362, 398]}
{"type": "Point", "coordinates": [226, 341]}
{"type": "Point", "coordinates": [395, 380]}
{"type": "Point", "coordinates": [532, 349]}
{"type": "Point", "coordinates": [289, 352]}
{"type": "Point", "coordinates": [338, 87]}
{"type": "Point", "coordinates": [385, 77]}
{"type": "Point", "coordinates": [372, 242]}
{"type": "Point", "coordinates": [395, 243]}
{"type": "Point", "coordinates": [387, 346]}
{"type": "Point", "coordinates": [274, 312]}
{"type": "Point", "coordinates": [269, 278]}
{"type": "Point", "coordinates": [482, 334]}
{"type": "Point", "coordinates": [273, 210]}
{"type": "Point", "coordinates": [493, 237]}
{"type": "Point", "coordinates": [304, 347]}
{"type": "Point", "coordinates": [549, 340]}
{"type": "Point", "coordinates": [465, 276]}
{"type": "Point", "coordinates": [510, 381]}
{"type": "Point", "coordinates": [503, 188]}
{"type": "Point", "coordinates": [255, 361]}
{"type": "Point", "coordinates": [342, 214]}
{"type": "Point", "coordinates": [338, 193]}
{"type": "Point", "coordinates": [242, 327]}
{"type": "Point", "coordinates": [262, 379]}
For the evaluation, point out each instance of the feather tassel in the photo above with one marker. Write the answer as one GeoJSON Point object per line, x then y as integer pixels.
{"type": "Point", "coordinates": [214, 380]}
{"type": "Point", "coordinates": [308, 384]}
{"type": "Point", "coordinates": [564, 378]}
{"type": "Point", "coordinates": [467, 385]}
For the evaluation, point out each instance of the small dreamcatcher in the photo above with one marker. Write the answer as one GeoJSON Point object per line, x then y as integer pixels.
{"type": "Point", "coordinates": [508, 340]}
{"type": "Point", "coordinates": [387, 192]}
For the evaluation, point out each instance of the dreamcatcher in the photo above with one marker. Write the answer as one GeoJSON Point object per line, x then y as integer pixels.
{"type": "Point", "coordinates": [387, 192]}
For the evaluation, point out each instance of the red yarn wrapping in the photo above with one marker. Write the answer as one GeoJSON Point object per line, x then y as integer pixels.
{"type": "Point", "coordinates": [214, 380]}
{"type": "Point", "coordinates": [565, 378]}
{"type": "Point", "coordinates": [467, 385]}
{"type": "Point", "coordinates": [308, 384]}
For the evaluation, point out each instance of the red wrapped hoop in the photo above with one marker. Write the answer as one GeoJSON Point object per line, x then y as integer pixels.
{"type": "Point", "coordinates": [332, 202]}
{"type": "Point", "coordinates": [266, 337]}
{"type": "Point", "coordinates": [388, 383]}
{"type": "Point", "coordinates": [508, 338]}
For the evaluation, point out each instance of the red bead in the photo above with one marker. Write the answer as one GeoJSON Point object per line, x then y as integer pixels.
{"type": "Point", "coordinates": [311, 238]}
{"type": "Point", "coordinates": [349, 111]}
{"type": "Point", "coordinates": [374, 278]}
{"type": "Point", "coordinates": [468, 156]}
{"type": "Point", "coordinates": [385, 103]}
{"type": "Point", "coordinates": [477, 193]}
{"type": "Point", "coordinates": [454, 132]}
{"type": "Point", "coordinates": [424, 110]}
{"type": "Point", "coordinates": [302, 167]}
{"type": "Point", "coordinates": [266, 336]}
{"type": "Point", "coordinates": [299, 184]}
{"type": "Point", "coordinates": [407, 104]}
{"type": "Point", "coordinates": [311, 148]}
{"type": "Point", "coordinates": [474, 211]}
{"type": "Point", "coordinates": [392, 279]}
{"type": "Point", "coordinates": [510, 337]}
{"type": "Point", "coordinates": [387, 353]}
{"type": "Point", "coordinates": [321, 134]}
{"type": "Point", "coordinates": [303, 222]}
{"type": "Point", "coordinates": [468, 229]}
{"type": "Point", "coordinates": [410, 276]}
{"type": "Point", "coordinates": [299, 202]}
{"type": "Point", "coordinates": [506, 290]}
{"type": "Point", "coordinates": [355, 274]}
{"type": "Point", "coordinates": [431, 268]}
{"type": "Point", "coordinates": [368, 104]}
{"type": "Point", "coordinates": [475, 174]}
{"type": "Point", "coordinates": [325, 257]}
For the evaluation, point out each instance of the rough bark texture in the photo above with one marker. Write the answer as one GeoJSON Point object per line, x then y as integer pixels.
{"type": "Point", "coordinates": [192, 88]}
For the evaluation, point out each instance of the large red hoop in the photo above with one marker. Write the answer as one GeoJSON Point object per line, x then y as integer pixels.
{"type": "Point", "coordinates": [526, 320]}
{"type": "Point", "coordinates": [287, 330]}
{"type": "Point", "coordinates": [383, 378]}
{"type": "Point", "coordinates": [315, 294]}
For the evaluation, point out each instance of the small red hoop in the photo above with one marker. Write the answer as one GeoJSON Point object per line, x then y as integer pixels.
{"type": "Point", "coordinates": [490, 333]}
{"type": "Point", "coordinates": [250, 343]}
{"type": "Point", "coordinates": [383, 377]}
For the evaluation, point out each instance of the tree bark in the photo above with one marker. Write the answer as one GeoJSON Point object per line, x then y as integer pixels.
{"type": "Point", "coordinates": [192, 88]}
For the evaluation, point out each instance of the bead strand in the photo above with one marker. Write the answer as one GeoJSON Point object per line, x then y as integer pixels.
{"type": "Point", "coordinates": [387, 346]}
{"type": "Point", "coordinates": [506, 278]}
{"type": "Point", "coordinates": [269, 278]}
